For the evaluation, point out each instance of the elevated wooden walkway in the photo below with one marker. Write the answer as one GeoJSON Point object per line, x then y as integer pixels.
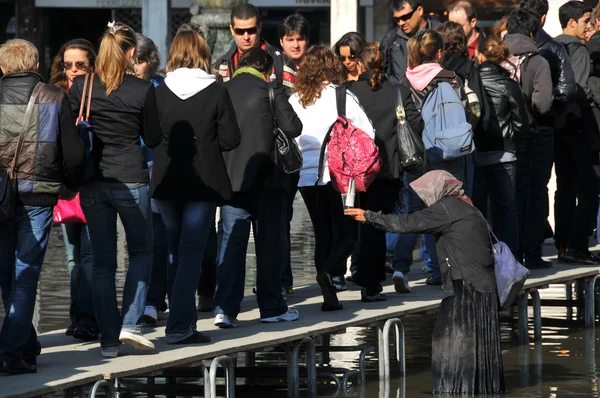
{"type": "Point", "coordinates": [65, 363]}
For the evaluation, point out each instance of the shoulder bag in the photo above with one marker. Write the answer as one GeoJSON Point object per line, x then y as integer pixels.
{"type": "Point", "coordinates": [287, 154]}
{"type": "Point", "coordinates": [411, 149]}
{"type": "Point", "coordinates": [8, 177]}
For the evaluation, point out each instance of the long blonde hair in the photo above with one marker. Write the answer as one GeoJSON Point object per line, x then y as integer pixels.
{"type": "Point", "coordinates": [189, 50]}
{"type": "Point", "coordinates": [112, 61]}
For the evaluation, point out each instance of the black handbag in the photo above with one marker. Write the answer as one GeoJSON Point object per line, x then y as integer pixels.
{"type": "Point", "coordinates": [287, 154]}
{"type": "Point", "coordinates": [8, 177]}
{"type": "Point", "coordinates": [411, 149]}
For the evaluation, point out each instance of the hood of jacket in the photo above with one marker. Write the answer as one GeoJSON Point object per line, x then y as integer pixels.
{"type": "Point", "coordinates": [542, 38]}
{"type": "Point", "coordinates": [186, 82]}
{"type": "Point", "coordinates": [520, 44]}
{"type": "Point", "coordinates": [567, 39]}
{"type": "Point", "coordinates": [420, 76]}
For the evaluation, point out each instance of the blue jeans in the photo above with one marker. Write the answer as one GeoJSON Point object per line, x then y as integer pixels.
{"type": "Point", "coordinates": [23, 243]}
{"type": "Point", "coordinates": [101, 202]}
{"type": "Point", "coordinates": [188, 225]}
{"type": "Point", "coordinates": [263, 210]}
{"type": "Point", "coordinates": [158, 281]}
{"type": "Point", "coordinates": [79, 255]}
{"type": "Point", "coordinates": [495, 184]}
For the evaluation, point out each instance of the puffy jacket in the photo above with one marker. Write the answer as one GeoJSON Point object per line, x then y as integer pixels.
{"type": "Point", "coordinates": [394, 46]}
{"type": "Point", "coordinates": [563, 80]}
{"type": "Point", "coordinates": [508, 111]}
{"type": "Point", "coordinates": [52, 152]}
{"type": "Point", "coordinates": [284, 68]}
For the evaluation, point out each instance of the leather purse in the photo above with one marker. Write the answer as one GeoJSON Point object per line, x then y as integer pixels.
{"type": "Point", "coordinates": [287, 154]}
{"type": "Point", "coordinates": [411, 149]}
{"type": "Point", "coordinates": [8, 177]}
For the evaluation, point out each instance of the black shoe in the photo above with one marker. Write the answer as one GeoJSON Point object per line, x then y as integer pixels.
{"type": "Point", "coordinates": [538, 263]}
{"type": "Point", "coordinates": [573, 256]}
{"type": "Point", "coordinates": [195, 338]}
{"type": "Point", "coordinates": [85, 333]}
{"type": "Point", "coordinates": [330, 299]}
{"type": "Point", "coordinates": [17, 368]}
{"type": "Point", "coordinates": [433, 281]}
{"type": "Point", "coordinates": [70, 330]}
{"type": "Point", "coordinates": [368, 295]}
{"type": "Point", "coordinates": [32, 361]}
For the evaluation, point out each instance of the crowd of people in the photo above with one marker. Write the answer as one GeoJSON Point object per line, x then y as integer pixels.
{"type": "Point", "coordinates": [170, 147]}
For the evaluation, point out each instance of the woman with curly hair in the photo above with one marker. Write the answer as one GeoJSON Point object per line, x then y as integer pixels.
{"type": "Point", "coordinates": [347, 49]}
{"type": "Point", "coordinates": [314, 101]}
{"type": "Point", "coordinates": [77, 57]}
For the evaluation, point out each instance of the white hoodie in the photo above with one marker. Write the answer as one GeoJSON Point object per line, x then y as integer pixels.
{"type": "Point", "coordinates": [185, 82]}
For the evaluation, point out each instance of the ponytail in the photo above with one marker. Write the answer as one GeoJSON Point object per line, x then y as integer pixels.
{"type": "Point", "coordinates": [424, 47]}
{"type": "Point", "coordinates": [371, 57]}
{"type": "Point", "coordinates": [494, 50]}
{"type": "Point", "coordinates": [112, 61]}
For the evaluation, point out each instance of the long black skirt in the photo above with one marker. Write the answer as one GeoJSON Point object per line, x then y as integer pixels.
{"type": "Point", "coordinates": [467, 358]}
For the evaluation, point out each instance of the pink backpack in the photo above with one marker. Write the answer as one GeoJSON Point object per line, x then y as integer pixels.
{"type": "Point", "coordinates": [351, 153]}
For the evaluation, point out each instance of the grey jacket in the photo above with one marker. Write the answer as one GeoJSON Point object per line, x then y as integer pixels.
{"type": "Point", "coordinates": [536, 78]}
{"type": "Point", "coordinates": [394, 46]}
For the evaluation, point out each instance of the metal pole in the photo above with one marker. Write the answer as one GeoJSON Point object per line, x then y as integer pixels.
{"type": "Point", "coordinates": [399, 347]}
{"type": "Point", "coordinates": [311, 368]}
{"type": "Point", "coordinates": [590, 313]}
{"type": "Point", "coordinates": [227, 364]}
{"type": "Point", "coordinates": [106, 385]}
{"type": "Point", "coordinates": [523, 321]}
{"type": "Point", "coordinates": [537, 314]}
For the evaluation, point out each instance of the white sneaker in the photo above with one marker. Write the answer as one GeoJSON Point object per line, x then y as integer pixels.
{"type": "Point", "coordinates": [291, 314]}
{"type": "Point", "coordinates": [400, 282]}
{"type": "Point", "coordinates": [138, 341]}
{"type": "Point", "coordinates": [110, 352]}
{"type": "Point", "coordinates": [150, 316]}
{"type": "Point", "coordinates": [225, 322]}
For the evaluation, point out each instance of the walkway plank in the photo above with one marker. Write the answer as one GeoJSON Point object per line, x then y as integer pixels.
{"type": "Point", "coordinates": [65, 364]}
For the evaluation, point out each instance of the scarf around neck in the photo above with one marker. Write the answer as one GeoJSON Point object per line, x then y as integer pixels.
{"type": "Point", "coordinates": [250, 70]}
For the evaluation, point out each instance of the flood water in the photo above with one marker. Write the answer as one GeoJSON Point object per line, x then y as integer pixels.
{"type": "Point", "coordinates": [564, 364]}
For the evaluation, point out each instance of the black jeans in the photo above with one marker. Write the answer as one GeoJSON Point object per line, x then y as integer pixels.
{"type": "Point", "coordinates": [576, 199]}
{"type": "Point", "coordinates": [368, 257]}
{"type": "Point", "coordinates": [335, 233]}
{"type": "Point", "coordinates": [287, 278]}
{"type": "Point", "coordinates": [534, 169]}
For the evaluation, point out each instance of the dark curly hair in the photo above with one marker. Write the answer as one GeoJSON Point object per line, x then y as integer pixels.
{"type": "Point", "coordinates": [320, 65]}
{"type": "Point", "coordinates": [58, 77]}
{"type": "Point", "coordinates": [455, 41]}
{"type": "Point", "coordinates": [372, 58]}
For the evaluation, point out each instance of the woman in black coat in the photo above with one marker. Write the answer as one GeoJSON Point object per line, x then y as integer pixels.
{"type": "Point", "coordinates": [378, 98]}
{"type": "Point", "coordinates": [189, 175]}
{"type": "Point", "coordinates": [467, 357]}
{"type": "Point", "coordinates": [495, 170]}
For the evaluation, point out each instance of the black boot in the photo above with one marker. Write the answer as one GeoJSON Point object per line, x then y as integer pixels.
{"type": "Point", "coordinates": [17, 367]}
{"type": "Point", "coordinates": [330, 300]}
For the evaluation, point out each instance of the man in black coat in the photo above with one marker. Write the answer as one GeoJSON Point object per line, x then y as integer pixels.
{"type": "Point", "coordinates": [410, 19]}
{"type": "Point", "coordinates": [259, 194]}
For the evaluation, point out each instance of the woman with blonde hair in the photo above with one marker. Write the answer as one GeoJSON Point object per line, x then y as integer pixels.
{"type": "Point", "coordinates": [189, 175]}
{"type": "Point", "coordinates": [315, 104]}
{"type": "Point", "coordinates": [123, 109]}
{"type": "Point", "coordinates": [75, 58]}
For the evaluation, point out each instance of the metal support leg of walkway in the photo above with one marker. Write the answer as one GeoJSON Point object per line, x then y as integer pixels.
{"type": "Point", "coordinates": [210, 377]}
{"type": "Point", "coordinates": [590, 312]}
{"type": "Point", "coordinates": [108, 387]}
{"type": "Point", "coordinates": [294, 370]}
{"type": "Point", "coordinates": [523, 316]}
{"type": "Point", "coordinates": [384, 347]}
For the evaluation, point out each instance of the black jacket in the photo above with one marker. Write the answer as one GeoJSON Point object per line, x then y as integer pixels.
{"type": "Point", "coordinates": [468, 72]}
{"type": "Point", "coordinates": [563, 79]}
{"type": "Point", "coordinates": [508, 117]}
{"type": "Point", "coordinates": [52, 152]}
{"type": "Point", "coordinates": [188, 164]}
{"type": "Point", "coordinates": [119, 120]}
{"type": "Point", "coordinates": [463, 245]}
{"type": "Point", "coordinates": [380, 107]}
{"type": "Point", "coordinates": [394, 46]}
{"type": "Point", "coordinates": [251, 166]}
{"type": "Point", "coordinates": [284, 68]}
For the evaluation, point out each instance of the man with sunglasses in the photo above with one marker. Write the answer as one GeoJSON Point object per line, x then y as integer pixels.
{"type": "Point", "coordinates": [246, 28]}
{"type": "Point", "coordinates": [409, 17]}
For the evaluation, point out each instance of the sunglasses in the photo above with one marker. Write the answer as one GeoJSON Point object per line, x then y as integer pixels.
{"type": "Point", "coordinates": [79, 65]}
{"type": "Point", "coordinates": [242, 31]}
{"type": "Point", "coordinates": [404, 17]}
{"type": "Point", "coordinates": [351, 58]}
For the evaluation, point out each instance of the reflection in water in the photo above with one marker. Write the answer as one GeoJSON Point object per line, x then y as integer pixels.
{"type": "Point", "coordinates": [562, 365]}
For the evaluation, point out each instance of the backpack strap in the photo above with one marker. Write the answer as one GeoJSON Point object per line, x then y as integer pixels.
{"type": "Point", "coordinates": [340, 96]}
{"type": "Point", "coordinates": [340, 99]}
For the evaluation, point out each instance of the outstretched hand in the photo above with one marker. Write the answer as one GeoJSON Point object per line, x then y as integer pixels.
{"type": "Point", "coordinates": [357, 214]}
